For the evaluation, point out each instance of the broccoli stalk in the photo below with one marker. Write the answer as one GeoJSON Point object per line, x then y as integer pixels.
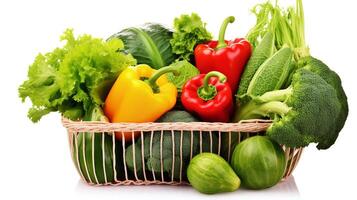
{"type": "Point", "coordinates": [255, 110]}
{"type": "Point", "coordinates": [265, 105]}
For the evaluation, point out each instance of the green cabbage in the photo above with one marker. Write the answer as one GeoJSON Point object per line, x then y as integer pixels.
{"type": "Point", "coordinates": [149, 44]}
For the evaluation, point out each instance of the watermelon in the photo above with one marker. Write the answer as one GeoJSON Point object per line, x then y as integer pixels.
{"type": "Point", "coordinates": [259, 162]}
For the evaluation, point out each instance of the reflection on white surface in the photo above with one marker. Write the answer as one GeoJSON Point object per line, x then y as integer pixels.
{"type": "Point", "coordinates": [286, 189]}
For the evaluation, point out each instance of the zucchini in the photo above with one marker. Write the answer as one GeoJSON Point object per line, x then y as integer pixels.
{"type": "Point", "coordinates": [89, 149]}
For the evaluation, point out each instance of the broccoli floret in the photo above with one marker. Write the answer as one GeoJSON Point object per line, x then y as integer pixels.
{"type": "Point", "coordinates": [320, 68]}
{"type": "Point", "coordinates": [306, 112]}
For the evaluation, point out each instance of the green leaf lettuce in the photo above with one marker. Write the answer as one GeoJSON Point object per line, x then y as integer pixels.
{"type": "Point", "coordinates": [74, 78]}
{"type": "Point", "coordinates": [189, 30]}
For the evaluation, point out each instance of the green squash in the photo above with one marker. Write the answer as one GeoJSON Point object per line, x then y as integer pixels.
{"type": "Point", "coordinates": [90, 157]}
{"type": "Point", "coordinates": [259, 162]}
{"type": "Point", "coordinates": [93, 152]}
{"type": "Point", "coordinates": [209, 173]}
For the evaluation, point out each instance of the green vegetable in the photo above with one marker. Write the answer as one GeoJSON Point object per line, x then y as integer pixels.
{"type": "Point", "coordinates": [261, 53]}
{"type": "Point", "coordinates": [304, 113]}
{"type": "Point", "coordinates": [287, 26]}
{"type": "Point", "coordinates": [149, 44]}
{"type": "Point", "coordinates": [259, 162]}
{"type": "Point", "coordinates": [177, 116]}
{"type": "Point", "coordinates": [91, 148]}
{"type": "Point", "coordinates": [119, 161]}
{"type": "Point", "coordinates": [318, 67]}
{"type": "Point", "coordinates": [186, 70]}
{"type": "Point", "coordinates": [311, 106]}
{"type": "Point", "coordinates": [272, 74]}
{"type": "Point", "coordinates": [209, 173]}
{"type": "Point", "coordinates": [74, 78]}
{"type": "Point", "coordinates": [153, 158]}
{"type": "Point", "coordinates": [154, 161]}
{"type": "Point", "coordinates": [189, 30]}
{"type": "Point", "coordinates": [226, 147]}
{"type": "Point", "coordinates": [171, 158]}
{"type": "Point", "coordinates": [263, 15]}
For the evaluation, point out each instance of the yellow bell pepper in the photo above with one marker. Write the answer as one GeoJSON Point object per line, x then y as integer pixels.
{"type": "Point", "coordinates": [140, 94]}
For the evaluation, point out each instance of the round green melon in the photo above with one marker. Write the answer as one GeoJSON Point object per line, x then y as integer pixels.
{"type": "Point", "coordinates": [259, 162]}
{"type": "Point", "coordinates": [209, 173]}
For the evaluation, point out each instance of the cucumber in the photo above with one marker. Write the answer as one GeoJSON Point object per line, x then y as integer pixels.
{"type": "Point", "coordinates": [90, 157]}
{"type": "Point", "coordinates": [259, 162]}
{"type": "Point", "coordinates": [209, 174]}
{"type": "Point", "coordinates": [89, 149]}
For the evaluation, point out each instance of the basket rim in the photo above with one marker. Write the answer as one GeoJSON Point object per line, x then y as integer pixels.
{"type": "Point", "coordinates": [254, 125]}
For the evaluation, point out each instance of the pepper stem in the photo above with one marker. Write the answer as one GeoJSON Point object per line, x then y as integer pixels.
{"type": "Point", "coordinates": [208, 92]}
{"type": "Point", "coordinates": [222, 31]}
{"type": "Point", "coordinates": [164, 70]}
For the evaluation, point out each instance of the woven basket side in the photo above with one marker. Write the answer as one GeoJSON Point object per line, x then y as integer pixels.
{"type": "Point", "coordinates": [252, 126]}
{"type": "Point", "coordinates": [101, 159]}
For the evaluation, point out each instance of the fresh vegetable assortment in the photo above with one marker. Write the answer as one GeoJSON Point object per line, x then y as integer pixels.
{"type": "Point", "coordinates": [305, 99]}
{"type": "Point", "coordinates": [153, 73]}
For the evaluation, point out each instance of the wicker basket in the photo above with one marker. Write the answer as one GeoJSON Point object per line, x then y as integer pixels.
{"type": "Point", "coordinates": [102, 160]}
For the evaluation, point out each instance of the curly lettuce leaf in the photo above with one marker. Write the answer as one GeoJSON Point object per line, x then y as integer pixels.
{"type": "Point", "coordinates": [74, 78]}
{"type": "Point", "coordinates": [189, 30]}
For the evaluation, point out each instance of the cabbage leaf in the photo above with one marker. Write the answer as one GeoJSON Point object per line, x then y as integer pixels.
{"type": "Point", "coordinates": [149, 44]}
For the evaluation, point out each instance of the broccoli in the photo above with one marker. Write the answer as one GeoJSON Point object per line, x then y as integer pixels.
{"type": "Point", "coordinates": [171, 152]}
{"type": "Point", "coordinates": [305, 112]}
{"type": "Point", "coordinates": [153, 161]}
{"type": "Point", "coordinates": [320, 68]}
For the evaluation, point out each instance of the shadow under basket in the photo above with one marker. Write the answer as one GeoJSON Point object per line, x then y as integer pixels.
{"type": "Point", "coordinates": [156, 153]}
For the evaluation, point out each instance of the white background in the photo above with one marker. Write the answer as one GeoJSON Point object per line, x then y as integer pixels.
{"type": "Point", "coordinates": [35, 161]}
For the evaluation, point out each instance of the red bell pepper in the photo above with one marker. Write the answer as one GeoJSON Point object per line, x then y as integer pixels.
{"type": "Point", "coordinates": [209, 97]}
{"type": "Point", "coordinates": [227, 57]}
